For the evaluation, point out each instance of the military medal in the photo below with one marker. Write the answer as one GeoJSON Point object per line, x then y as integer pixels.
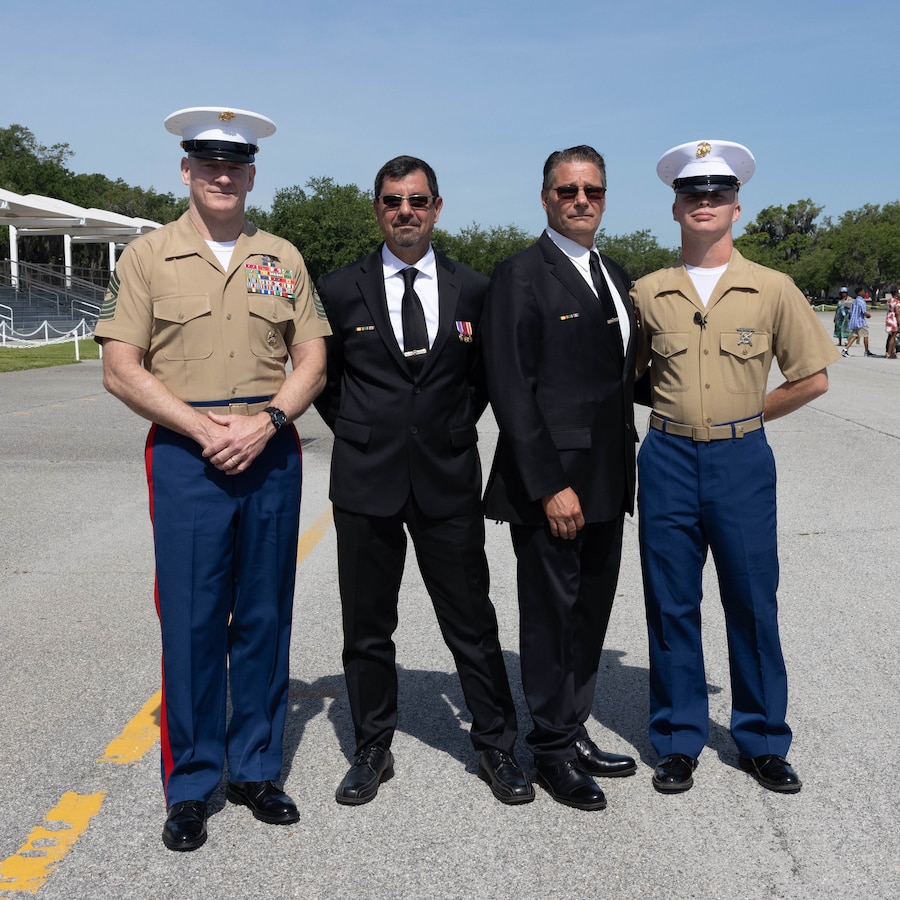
{"type": "Point", "coordinates": [465, 331]}
{"type": "Point", "coordinates": [269, 279]}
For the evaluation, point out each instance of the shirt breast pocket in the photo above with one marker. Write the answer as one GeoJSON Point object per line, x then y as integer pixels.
{"type": "Point", "coordinates": [744, 369]}
{"type": "Point", "coordinates": [268, 322]}
{"type": "Point", "coordinates": [182, 326]}
{"type": "Point", "coordinates": [670, 361]}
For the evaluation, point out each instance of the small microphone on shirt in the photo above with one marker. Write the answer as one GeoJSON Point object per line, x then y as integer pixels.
{"type": "Point", "coordinates": [699, 320]}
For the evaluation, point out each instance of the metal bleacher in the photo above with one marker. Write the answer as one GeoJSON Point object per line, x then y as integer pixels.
{"type": "Point", "coordinates": [42, 302]}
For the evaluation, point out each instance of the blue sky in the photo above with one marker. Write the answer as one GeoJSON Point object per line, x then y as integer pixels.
{"type": "Point", "coordinates": [483, 90]}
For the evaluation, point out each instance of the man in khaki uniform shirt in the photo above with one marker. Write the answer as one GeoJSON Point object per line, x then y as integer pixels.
{"type": "Point", "coordinates": [197, 326]}
{"type": "Point", "coordinates": [710, 328]}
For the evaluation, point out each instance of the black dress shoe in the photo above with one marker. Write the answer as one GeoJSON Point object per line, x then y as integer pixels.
{"type": "Point", "coordinates": [505, 776]}
{"type": "Point", "coordinates": [372, 766]}
{"type": "Point", "coordinates": [568, 784]}
{"type": "Point", "coordinates": [772, 772]}
{"type": "Point", "coordinates": [674, 773]}
{"type": "Point", "coordinates": [185, 827]}
{"type": "Point", "coordinates": [605, 765]}
{"type": "Point", "coordinates": [266, 801]}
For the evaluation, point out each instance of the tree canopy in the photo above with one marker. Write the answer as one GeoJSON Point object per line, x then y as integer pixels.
{"type": "Point", "coordinates": [333, 225]}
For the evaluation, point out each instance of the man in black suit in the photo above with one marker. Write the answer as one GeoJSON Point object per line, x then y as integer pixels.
{"type": "Point", "coordinates": [558, 344]}
{"type": "Point", "coordinates": [405, 388]}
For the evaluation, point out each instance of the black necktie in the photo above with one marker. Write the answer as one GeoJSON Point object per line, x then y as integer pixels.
{"type": "Point", "coordinates": [415, 332]}
{"type": "Point", "coordinates": [606, 300]}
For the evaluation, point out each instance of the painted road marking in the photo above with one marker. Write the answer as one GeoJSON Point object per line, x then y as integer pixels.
{"type": "Point", "coordinates": [28, 868]}
{"type": "Point", "coordinates": [138, 736]}
{"type": "Point", "coordinates": [314, 534]}
{"type": "Point", "coordinates": [32, 864]}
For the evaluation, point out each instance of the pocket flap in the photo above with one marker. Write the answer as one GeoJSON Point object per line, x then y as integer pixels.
{"type": "Point", "coordinates": [181, 309]}
{"type": "Point", "coordinates": [668, 343]}
{"type": "Point", "coordinates": [464, 435]}
{"type": "Point", "coordinates": [572, 438]}
{"type": "Point", "coordinates": [355, 432]}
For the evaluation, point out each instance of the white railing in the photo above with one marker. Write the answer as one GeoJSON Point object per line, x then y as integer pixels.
{"type": "Point", "coordinates": [41, 336]}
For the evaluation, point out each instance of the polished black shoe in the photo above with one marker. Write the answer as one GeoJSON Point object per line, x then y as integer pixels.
{"type": "Point", "coordinates": [772, 772]}
{"type": "Point", "coordinates": [568, 784]}
{"type": "Point", "coordinates": [597, 762]}
{"type": "Point", "coordinates": [185, 827]}
{"type": "Point", "coordinates": [508, 782]}
{"type": "Point", "coordinates": [674, 773]}
{"type": "Point", "coordinates": [372, 766]}
{"type": "Point", "coordinates": [266, 801]}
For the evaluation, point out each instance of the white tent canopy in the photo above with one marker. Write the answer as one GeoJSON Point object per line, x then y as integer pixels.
{"type": "Point", "coordinates": [33, 215]}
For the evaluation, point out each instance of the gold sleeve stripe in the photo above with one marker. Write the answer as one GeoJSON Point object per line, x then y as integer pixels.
{"type": "Point", "coordinates": [108, 310]}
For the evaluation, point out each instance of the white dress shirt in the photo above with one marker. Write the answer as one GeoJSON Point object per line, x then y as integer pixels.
{"type": "Point", "coordinates": [426, 287]}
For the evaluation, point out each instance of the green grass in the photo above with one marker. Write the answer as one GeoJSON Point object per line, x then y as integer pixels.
{"type": "Point", "coordinates": [15, 360]}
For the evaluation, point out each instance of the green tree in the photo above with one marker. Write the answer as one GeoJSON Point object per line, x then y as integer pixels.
{"type": "Point", "coordinates": [331, 224]}
{"type": "Point", "coordinates": [27, 167]}
{"type": "Point", "coordinates": [482, 249]}
{"type": "Point", "coordinates": [638, 252]}
{"type": "Point", "coordinates": [781, 236]}
{"type": "Point", "coordinates": [865, 247]}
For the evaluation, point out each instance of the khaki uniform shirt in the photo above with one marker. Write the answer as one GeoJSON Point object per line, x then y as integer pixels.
{"type": "Point", "coordinates": [212, 335]}
{"type": "Point", "coordinates": [717, 372]}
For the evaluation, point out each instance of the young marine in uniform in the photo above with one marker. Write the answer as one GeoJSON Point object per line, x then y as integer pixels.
{"type": "Point", "coordinates": [711, 325]}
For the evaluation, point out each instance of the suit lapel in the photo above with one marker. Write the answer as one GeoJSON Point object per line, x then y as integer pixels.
{"type": "Point", "coordinates": [449, 289]}
{"type": "Point", "coordinates": [567, 274]}
{"type": "Point", "coordinates": [371, 289]}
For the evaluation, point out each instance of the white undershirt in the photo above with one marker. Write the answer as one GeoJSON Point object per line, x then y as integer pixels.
{"type": "Point", "coordinates": [705, 280]}
{"type": "Point", "coordinates": [426, 287]}
{"type": "Point", "coordinates": [222, 251]}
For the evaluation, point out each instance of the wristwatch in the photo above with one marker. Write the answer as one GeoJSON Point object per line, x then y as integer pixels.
{"type": "Point", "coordinates": [279, 419]}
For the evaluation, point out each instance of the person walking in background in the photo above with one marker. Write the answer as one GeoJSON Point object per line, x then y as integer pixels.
{"type": "Point", "coordinates": [859, 327]}
{"type": "Point", "coordinates": [198, 324]}
{"type": "Point", "coordinates": [891, 321]}
{"type": "Point", "coordinates": [842, 317]}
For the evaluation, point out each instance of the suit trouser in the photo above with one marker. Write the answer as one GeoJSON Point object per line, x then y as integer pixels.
{"type": "Point", "coordinates": [450, 553]}
{"type": "Point", "coordinates": [717, 496]}
{"type": "Point", "coordinates": [226, 546]}
{"type": "Point", "coordinates": [566, 592]}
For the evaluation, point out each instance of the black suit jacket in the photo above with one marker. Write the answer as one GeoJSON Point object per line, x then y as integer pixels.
{"type": "Point", "coordinates": [561, 389]}
{"type": "Point", "coordinates": [396, 435]}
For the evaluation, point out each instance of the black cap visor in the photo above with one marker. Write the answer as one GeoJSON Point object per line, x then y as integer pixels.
{"type": "Point", "coordinates": [701, 184]}
{"type": "Point", "coordinates": [226, 150]}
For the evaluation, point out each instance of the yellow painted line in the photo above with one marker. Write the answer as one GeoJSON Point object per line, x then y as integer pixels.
{"type": "Point", "coordinates": [28, 868]}
{"type": "Point", "coordinates": [138, 736]}
{"type": "Point", "coordinates": [314, 534]}
{"type": "Point", "coordinates": [142, 732]}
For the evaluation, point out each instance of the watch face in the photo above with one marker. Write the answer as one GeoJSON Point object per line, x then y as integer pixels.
{"type": "Point", "coordinates": [279, 419]}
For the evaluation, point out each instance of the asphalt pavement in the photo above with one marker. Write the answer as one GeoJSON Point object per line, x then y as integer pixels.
{"type": "Point", "coordinates": [79, 659]}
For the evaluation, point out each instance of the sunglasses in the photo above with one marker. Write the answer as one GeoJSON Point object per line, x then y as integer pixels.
{"type": "Point", "coordinates": [570, 192]}
{"type": "Point", "coordinates": [416, 201]}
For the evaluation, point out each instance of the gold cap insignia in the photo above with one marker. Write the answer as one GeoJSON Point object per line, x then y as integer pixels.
{"type": "Point", "coordinates": [703, 149]}
{"type": "Point", "coordinates": [226, 116]}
